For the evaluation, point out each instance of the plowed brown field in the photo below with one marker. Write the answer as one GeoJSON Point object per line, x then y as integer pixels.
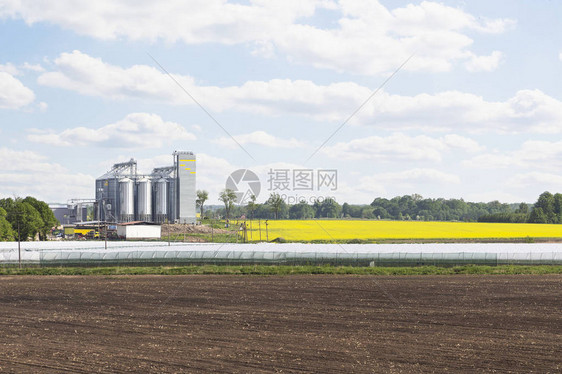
{"type": "Point", "coordinates": [326, 324]}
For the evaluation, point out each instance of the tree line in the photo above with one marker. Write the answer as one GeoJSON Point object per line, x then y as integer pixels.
{"type": "Point", "coordinates": [30, 217]}
{"type": "Point", "coordinates": [274, 208]}
{"type": "Point", "coordinates": [547, 209]}
{"type": "Point", "coordinates": [415, 207]}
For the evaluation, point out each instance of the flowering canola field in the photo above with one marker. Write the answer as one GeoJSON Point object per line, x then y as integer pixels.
{"type": "Point", "coordinates": [311, 230]}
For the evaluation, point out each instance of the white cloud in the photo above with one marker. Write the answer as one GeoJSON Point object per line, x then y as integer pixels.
{"type": "Point", "coordinates": [547, 181]}
{"type": "Point", "coordinates": [535, 154]}
{"type": "Point", "coordinates": [400, 147]}
{"type": "Point", "coordinates": [212, 173]}
{"type": "Point", "coordinates": [395, 147]}
{"type": "Point", "coordinates": [484, 63]}
{"type": "Point", "coordinates": [418, 176]}
{"type": "Point", "coordinates": [13, 94]}
{"type": "Point", "coordinates": [188, 21]}
{"type": "Point", "coordinates": [87, 75]}
{"type": "Point", "coordinates": [372, 39]}
{"type": "Point", "coordinates": [526, 111]}
{"type": "Point", "coordinates": [560, 56]}
{"type": "Point", "coordinates": [52, 187]}
{"type": "Point", "coordinates": [411, 179]}
{"type": "Point", "coordinates": [490, 161]}
{"type": "Point", "coordinates": [91, 76]}
{"type": "Point", "coordinates": [136, 130]}
{"type": "Point", "coordinates": [396, 183]}
{"type": "Point", "coordinates": [13, 160]}
{"type": "Point", "coordinates": [9, 68]}
{"type": "Point", "coordinates": [259, 138]}
{"type": "Point", "coordinates": [461, 142]}
{"type": "Point", "coordinates": [27, 173]}
{"type": "Point", "coordinates": [369, 38]}
{"type": "Point", "coordinates": [33, 67]}
{"type": "Point", "coordinates": [82, 73]}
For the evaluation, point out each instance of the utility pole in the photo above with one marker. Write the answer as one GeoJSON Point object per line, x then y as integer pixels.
{"type": "Point", "coordinates": [99, 203]}
{"type": "Point", "coordinates": [19, 240]}
{"type": "Point", "coordinates": [168, 229]}
{"type": "Point", "coordinates": [105, 224]}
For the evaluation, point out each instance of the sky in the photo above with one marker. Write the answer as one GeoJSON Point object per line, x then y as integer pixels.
{"type": "Point", "coordinates": [447, 99]}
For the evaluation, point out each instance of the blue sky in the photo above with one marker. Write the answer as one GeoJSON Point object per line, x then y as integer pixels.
{"type": "Point", "coordinates": [476, 113]}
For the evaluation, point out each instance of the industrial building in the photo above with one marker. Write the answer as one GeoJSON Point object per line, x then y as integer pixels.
{"type": "Point", "coordinates": [74, 211]}
{"type": "Point", "coordinates": [167, 194]}
{"type": "Point", "coordinates": [139, 230]}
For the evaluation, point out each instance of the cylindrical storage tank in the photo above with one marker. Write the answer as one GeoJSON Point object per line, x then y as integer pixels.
{"type": "Point", "coordinates": [161, 209]}
{"type": "Point", "coordinates": [126, 200]}
{"type": "Point", "coordinates": [144, 197]}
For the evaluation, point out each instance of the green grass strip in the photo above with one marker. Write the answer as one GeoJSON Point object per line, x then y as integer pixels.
{"type": "Point", "coordinates": [284, 270]}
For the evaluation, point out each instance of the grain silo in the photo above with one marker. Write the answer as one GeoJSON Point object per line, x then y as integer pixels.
{"type": "Point", "coordinates": [161, 200]}
{"type": "Point", "coordinates": [108, 202]}
{"type": "Point", "coordinates": [166, 195]}
{"type": "Point", "coordinates": [144, 199]}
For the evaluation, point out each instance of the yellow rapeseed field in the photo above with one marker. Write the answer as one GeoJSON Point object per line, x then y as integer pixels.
{"type": "Point", "coordinates": [311, 230]}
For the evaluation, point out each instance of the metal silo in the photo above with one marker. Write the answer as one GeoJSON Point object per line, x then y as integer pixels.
{"type": "Point", "coordinates": [144, 197]}
{"type": "Point", "coordinates": [126, 200]}
{"type": "Point", "coordinates": [109, 193]}
{"type": "Point", "coordinates": [161, 208]}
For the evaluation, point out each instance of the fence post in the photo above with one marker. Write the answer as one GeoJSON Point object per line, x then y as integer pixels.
{"type": "Point", "coordinates": [266, 232]}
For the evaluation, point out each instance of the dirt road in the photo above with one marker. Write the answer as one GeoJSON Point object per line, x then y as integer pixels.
{"type": "Point", "coordinates": [328, 324]}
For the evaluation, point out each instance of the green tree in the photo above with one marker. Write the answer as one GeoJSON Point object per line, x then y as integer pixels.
{"type": "Point", "coordinates": [546, 203]}
{"type": "Point", "coordinates": [7, 204]}
{"type": "Point", "coordinates": [380, 213]}
{"type": "Point", "coordinates": [262, 211]}
{"type": "Point", "coordinates": [47, 216]}
{"type": "Point", "coordinates": [317, 207]}
{"type": "Point", "coordinates": [276, 203]}
{"type": "Point", "coordinates": [523, 208]}
{"type": "Point", "coordinates": [330, 209]}
{"type": "Point", "coordinates": [228, 197]}
{"type": "Point", "coordinates": [558, 207]}
{"type": "Point", "coordinates": [251, 206]}
{"type": "Point", "coordinates": [24, 216]}
{"type": "Point", "coordinates": [6, 232]}
{"type": "Point", "coordinates": [538, 216]}
{"type": "Point", "coordinates": [202, 196]}
{"type": "Point", "coordinates": [346, 210]}
{"type": "Point", "coordinates": [301, 211]}
{"type": "Point", "coordinates": [368, 213]}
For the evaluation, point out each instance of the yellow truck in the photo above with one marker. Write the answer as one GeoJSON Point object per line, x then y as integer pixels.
{"type": "Point", "coordinates": [80, 232]}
